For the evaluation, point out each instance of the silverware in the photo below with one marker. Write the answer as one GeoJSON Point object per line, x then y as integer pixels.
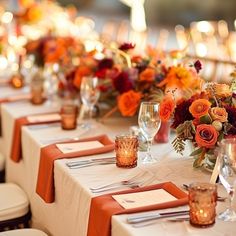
{"type": "Point", "coordinates": [85, 129]}
{"type": "Point", "coordinates": [122, 182]}
{"type": "Point", "coordinates": [178, 219]}
{"type": "Point", "coordinates": [151, 222]}
{"type": "Point", "coordinates": [43, 126]}
{"type": "Point", "coordinates": [93, 160]}
{"type": "Point", "coordinates": [92, 164]}
{"type": "Point", "coordinates": [134, 183]}
{"type": "Point", "coordinates": [154, 215]}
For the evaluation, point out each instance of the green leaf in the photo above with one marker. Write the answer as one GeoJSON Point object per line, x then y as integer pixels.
{"type": "Point", "coordinates": [178, 144]}
{"type": "Point", "coordinates": [196, 152]}
{"type": "Point", "coordinates": [195, 164]}
{"type": "Point", "coordinates": [221, 136]}
{"type": "Point", "coordinates": [205, 119]}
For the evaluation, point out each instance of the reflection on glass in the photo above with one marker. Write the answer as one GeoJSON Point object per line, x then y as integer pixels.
{"type": "Point", "coordinates": [228, 175]}
{"type": "Point", "coordinates": [149, 123]}
{"type": "Point", "coordinates": [89, 92]}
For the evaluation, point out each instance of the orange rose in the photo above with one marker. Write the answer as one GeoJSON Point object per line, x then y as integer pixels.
{"type": "Point", "coordinates": [148, 75]}
{"type": "Point", "coordinates": [128, 102]}
{"type": "Point", "coordinates": [222, 90]}
{"type": "Point", "coordinates": [199, 107]}
{"type": "Point", "coordinates": [219, 113]}
{"type": "Point", "coordinates": [167, 107]}
{"type": "Point", "coordinates": [206, 136]}
{"type": "Point", "coordinates": [79, 74]}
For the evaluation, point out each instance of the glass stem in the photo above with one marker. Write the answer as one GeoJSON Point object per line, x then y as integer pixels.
{"type": "Point", "coordinates": [231, 197]}
{"type": "Point", "coordinates": [149, 144]}
{"type": "Point", "coordinates": [90, 112]}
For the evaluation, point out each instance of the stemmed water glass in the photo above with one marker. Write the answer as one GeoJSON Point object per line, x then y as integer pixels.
{"type": "Point", "coordinates": [89, 93]}
{"type": "Point", "coordinates": [227, 175]}
{"type": "Point", "coordinates": [149, 123]}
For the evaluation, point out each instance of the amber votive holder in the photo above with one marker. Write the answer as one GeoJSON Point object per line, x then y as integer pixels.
{"type": "Point", "coordinates": [126, 148]}
{"type": "Point", "coordinates": [69, 115]}
{"type": "Point", "coordinates": [17, 81]}
{"type": "Point", "coordinates": [202, 204]}
{"type": "Point", "coordinates": [37, 94]}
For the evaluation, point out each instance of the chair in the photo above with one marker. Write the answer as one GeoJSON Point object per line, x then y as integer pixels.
{"type": "Point", "coordinates": [2, 168]}
{"type": "Point", "coordinates": [14, 207]}
{"type": "Point", "coordinates": [23, 232]}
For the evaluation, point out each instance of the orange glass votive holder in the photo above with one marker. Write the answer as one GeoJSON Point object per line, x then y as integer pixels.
{"type": "Point", "coordinates": [202, 203]}
{"type": "Point", "coordinates": [69, 115]}
{"type": "Point", "coordinates": [17, 81]}
{"type": "Point", "coordinates": [37, 93]}
{"type": "Point", "coordinates": [126, 148]}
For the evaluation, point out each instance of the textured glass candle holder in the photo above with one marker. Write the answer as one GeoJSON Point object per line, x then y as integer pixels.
{"type": "Point", "coordinates": [202, 203]}
{"type": "Point", "coordinates": [69, 115]}
{"type": "Point", "coordinates": [37, 92]}
{"type": "Point", "coordinates": [126, 147]}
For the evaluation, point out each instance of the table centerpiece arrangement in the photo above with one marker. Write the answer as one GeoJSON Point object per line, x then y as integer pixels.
{"type": "Point", "coordinates": [204, 120]}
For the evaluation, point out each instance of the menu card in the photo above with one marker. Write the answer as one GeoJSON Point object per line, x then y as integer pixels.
{"type": "Point", "coordinates": [141, 199]}
{"type": "Point", "coordinates": [78, 146]}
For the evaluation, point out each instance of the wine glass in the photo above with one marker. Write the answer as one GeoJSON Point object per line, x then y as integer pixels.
{"type": "Point", "coordinates": [149, 123]}
{"type": "Point", "coordinates": [89, 92]}
{"type": "Point", "coordinates": [227, 175]}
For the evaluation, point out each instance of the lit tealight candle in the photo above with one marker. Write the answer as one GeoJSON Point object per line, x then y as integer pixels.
{"type": "Point", "coordinates": [126, 147]}
{"type": "Point", "coordinates": [202, 203]}
{"type": "Point", "coordinates": [69, 117]}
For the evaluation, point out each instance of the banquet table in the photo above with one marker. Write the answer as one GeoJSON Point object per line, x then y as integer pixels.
{"type": "Point", "coordinates": [68, 214]}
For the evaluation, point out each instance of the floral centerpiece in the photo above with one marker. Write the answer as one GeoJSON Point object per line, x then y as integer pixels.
{"type": "Point", "coordinates": [205, 119]}
{"type": "Point", "coordinates": [148, 78]}
{"type": "Point", "coordinates": [58, 56]}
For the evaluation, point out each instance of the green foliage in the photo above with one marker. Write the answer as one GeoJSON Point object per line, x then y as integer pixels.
{"type": "Point", "coordinates": [156, 94]}
{"type": "Point", "coordinates": [186, 130]}
{"type": "Point", "coordinates": [196, 152]}
{"type": "Point", "coordinates": [205, 119]}
{"type": "Point", "coordinates": [179, 144]}
{"type": "Point", "coordinates": [196, 163]}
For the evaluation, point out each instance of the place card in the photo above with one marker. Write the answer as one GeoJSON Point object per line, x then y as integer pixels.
{"type": "Point", "coordinates": [216, 171]}
{"type": "Point", "coordinates": [78, 146]}
{"type": "Point", "coordinates": [43, 118]}
{"type": "Point", "coordinates": [142, 199]}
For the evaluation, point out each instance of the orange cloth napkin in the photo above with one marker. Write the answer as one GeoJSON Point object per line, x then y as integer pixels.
{"type": "Point", "coordinates": [50, 153]}
{"type": "Point", "coordinates": [16, 151]}
{"type": "Point", "coordinates": [103, 207]}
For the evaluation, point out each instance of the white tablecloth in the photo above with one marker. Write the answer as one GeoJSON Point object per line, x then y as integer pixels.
{"type": "Point", "coordinates": [68, 215]}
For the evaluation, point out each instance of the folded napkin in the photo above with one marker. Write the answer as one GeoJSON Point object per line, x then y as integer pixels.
{"type": "Point", "coordinates": [50, 153]}
{"type": "Point", "coordinates": [103, 207]}
{"type": "Point", "coordinates": [16, 152]}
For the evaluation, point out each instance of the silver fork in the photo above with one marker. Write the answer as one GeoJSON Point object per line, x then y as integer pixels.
{"type": "Point", "coordinates": [126, 183]}
{"type": "Point", "coordinates": [122, 182]}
